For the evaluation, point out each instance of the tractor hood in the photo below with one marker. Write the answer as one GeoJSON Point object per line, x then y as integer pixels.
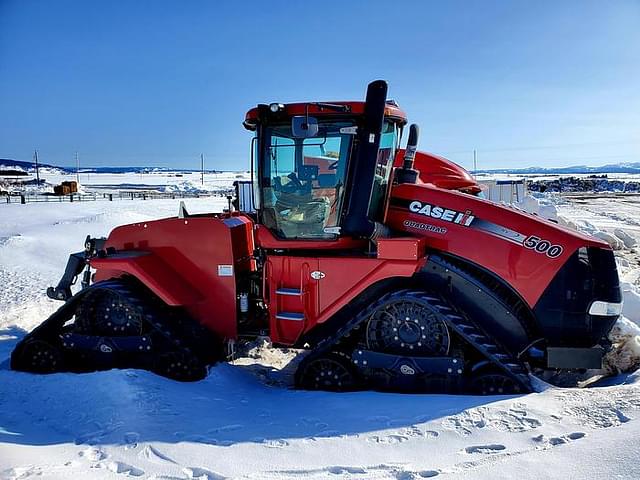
{"type": "Point", "coordinates": [440, 172]}
{"type": "Point", "coordinates": [524, 250]}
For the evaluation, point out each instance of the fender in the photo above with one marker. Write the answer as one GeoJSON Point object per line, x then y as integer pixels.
{"type": "Point", "coordinates": [190, 262]}
{"type": "Point", "coordinates": [490, 301]}
{"type": "Point", "coordinates": [171, 287]}
{"type": "Point", "coordinates": [524, 250]}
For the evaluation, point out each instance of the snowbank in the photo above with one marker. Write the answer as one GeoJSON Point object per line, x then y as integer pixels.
{"type": "Point", "coordinates": [625, 354]}
{"type": "Point", "coordinates": [631, 298]}
{"type": "Point", "coordinates": [538, 206]}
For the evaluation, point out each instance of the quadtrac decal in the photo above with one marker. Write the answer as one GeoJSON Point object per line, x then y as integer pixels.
{"type": "Point", "coordinates": [441, 213]}
{"type": "Point", "coordinates": [424, 227]}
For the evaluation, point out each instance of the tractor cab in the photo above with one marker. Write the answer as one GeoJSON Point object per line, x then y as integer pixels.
{"type": "Point", "coordinates": [320, 171]}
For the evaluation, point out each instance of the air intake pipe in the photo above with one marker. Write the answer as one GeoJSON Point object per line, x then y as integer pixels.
{"type": "Point", "coordinates": [407, 174]}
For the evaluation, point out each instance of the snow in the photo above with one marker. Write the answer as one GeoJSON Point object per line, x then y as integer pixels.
{"type": "Point", "coordinates": [244, 422]}
{"type": "Point", "coordinates": [154, 181]}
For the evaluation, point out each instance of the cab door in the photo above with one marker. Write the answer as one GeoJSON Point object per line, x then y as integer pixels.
{"type": "Point", "coordinates": [292, 296]}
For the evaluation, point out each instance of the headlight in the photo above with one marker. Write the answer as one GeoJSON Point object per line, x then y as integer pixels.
{"type": "Point", "coordinates": [605, 309]}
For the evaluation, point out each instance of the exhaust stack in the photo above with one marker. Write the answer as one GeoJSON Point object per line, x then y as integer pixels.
{"type": "Point", "coordinates": [407, 174]}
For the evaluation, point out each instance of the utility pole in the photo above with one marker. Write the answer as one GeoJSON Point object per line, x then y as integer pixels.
{"type": "Point", "coordinates": [475, 161]}
{"type": "Point", "coordinates": [77, 169]}
{"type": "Point", "coordinates": [35, 158]}
{"type": "Point", "coordinates": [202, 168]}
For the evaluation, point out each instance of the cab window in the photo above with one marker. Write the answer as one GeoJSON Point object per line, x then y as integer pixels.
{"type": "Point", "coordinates": [303, 181]}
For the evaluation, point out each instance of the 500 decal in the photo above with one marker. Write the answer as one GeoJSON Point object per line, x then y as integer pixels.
{"type": "Point", "coordinates": [542, 246]}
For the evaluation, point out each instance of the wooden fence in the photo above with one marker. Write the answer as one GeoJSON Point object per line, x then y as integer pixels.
{"type": "Point", "coordinates": [93, 197]}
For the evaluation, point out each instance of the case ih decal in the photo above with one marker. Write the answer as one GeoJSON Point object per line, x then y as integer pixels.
{"type": "Point", "coordinates": [441, 213]}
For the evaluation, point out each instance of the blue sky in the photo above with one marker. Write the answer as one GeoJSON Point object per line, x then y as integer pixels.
{"type": "Point", "coordinates": [156, 83]}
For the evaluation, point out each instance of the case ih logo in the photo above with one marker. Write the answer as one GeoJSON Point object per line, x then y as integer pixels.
{"type": "Point", "coordinates": [440, 213]}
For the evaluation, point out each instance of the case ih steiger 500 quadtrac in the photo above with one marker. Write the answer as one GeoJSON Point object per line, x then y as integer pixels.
{"type": "Point", "coordinates": [383, 262]}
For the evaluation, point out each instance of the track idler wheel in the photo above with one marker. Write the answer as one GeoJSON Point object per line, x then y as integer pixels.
{"type": "Point", "coordinates": [180, 366]}
{"type": "Point", "coordinates": [40, 356]}
{"type": "Point", "coordinates": [332, 372]}
{"type": "Point", "coordinates": [494, 383]}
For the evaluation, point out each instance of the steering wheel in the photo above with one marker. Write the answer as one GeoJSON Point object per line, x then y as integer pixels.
{"type": "Point", "coordinates": [294, 184]}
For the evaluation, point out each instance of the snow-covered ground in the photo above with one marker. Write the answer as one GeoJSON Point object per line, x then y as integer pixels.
{"type": "Point", "coordinates": [156, 181]}
{"type": "Point", "coordinates": [238, 424]}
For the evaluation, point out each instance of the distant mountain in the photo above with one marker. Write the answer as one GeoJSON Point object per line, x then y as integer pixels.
{"type": "Point", "coordinates": [136, 170]}
{"type": "Point", "coordinates": [26, 166]}
{"type": "Point", "coordinates": [576, 169]}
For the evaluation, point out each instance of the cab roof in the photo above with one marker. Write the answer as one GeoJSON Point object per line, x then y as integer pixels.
{"type": "Point", "coordinates": [319, 109]}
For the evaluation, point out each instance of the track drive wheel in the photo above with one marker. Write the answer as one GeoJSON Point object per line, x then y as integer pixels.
{"type": "Point", "coordinates": [332, 372]}
{"type": "Point", "coordinates": [107, 312]}
{"type": "Point", "coordinates": [407, 323]}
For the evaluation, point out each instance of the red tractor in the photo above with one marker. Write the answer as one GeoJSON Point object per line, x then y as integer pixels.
{"type": "Point", "coordinates": [384, 263]}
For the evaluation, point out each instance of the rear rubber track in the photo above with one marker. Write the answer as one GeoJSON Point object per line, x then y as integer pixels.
{"type": "Point", "coordinates": [170, 344]}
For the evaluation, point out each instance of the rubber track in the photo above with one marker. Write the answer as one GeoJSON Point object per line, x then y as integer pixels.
{"type": "Point", "coordinates": [463, 326]}
{"type": "Point", "coordinates": [176, 333]}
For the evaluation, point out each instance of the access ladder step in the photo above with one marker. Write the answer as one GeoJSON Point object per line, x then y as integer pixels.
{"type": "Point", "coordinates": [297, 317]}
{"type": "Point", "coordinates": [294, 292]}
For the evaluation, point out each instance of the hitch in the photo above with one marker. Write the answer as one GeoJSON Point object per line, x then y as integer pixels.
{"type": "Point", "coordinates": [76, 263]}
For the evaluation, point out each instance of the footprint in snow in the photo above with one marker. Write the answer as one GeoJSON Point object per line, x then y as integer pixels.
{"type": "Point", "coordinates": [198, 473]}
{"type": "Point", "coordinates": [388, 439]}
{"type": "Point", "coordinates": [122, 468]}
{"type": "Point", "coordinates": [415, 431]}
{"type": "Point", "coordinates": [406, 475]}
{"type": "Point", "coordinates": [485, 449]}
{"type": "Point", "coordinates": [92, 454]}
{"type": "Point", "coordinates": [547, 442]}
{"type": "Point", "coordinates": [277, 443]}
{"type": "Point", "coordinates": [154, 455]}
{"type": "Point", "coordinates": [337, 470]}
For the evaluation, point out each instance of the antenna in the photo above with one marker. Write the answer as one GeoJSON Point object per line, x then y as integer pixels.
{"type": "Point", "coordinates": [475, 161]}
{"type": "Point", "coordinates": [202, 168]}
{"type": "Point", "coordinates": [77, 169]}
{"type": "Point", "coordinates": [35, 157]}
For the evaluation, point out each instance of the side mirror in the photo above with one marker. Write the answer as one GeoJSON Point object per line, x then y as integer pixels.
{"type": "Point", "coordinates": [304, 127]}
